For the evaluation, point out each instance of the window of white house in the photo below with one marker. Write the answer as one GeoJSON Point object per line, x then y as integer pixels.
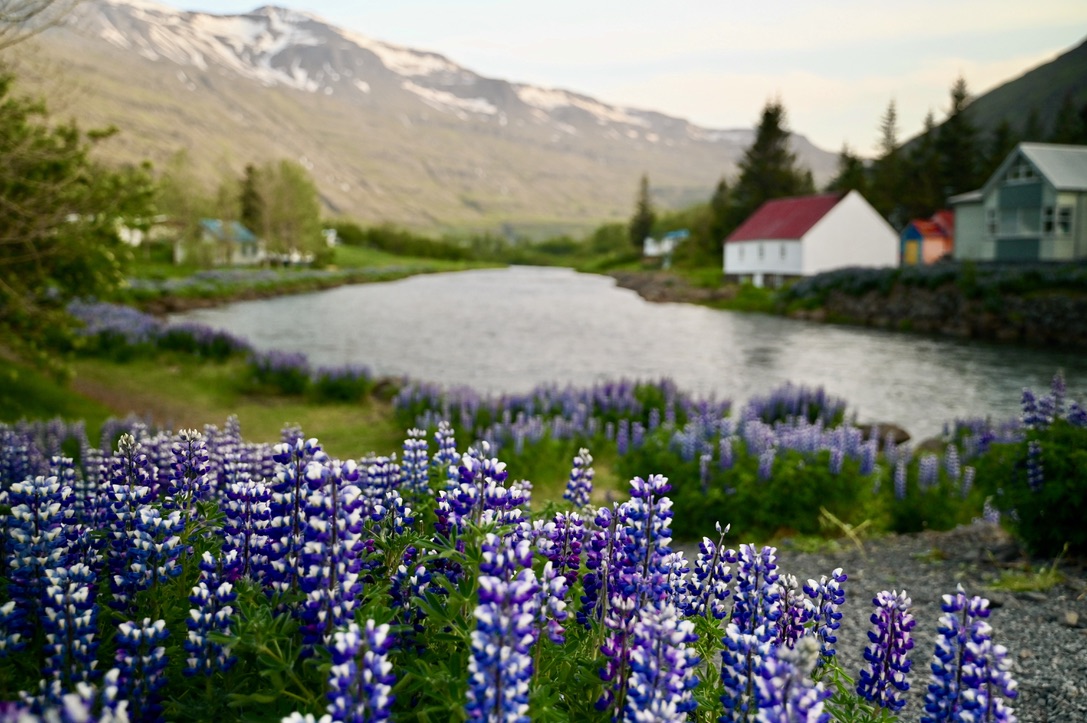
{"type": "Point", "coordinates": [1064, 220]}
{"type": "Point", "coordinates": [783, 251]}
{"type": "Point", "coordinates": [760, 251]}
{"type": "Point", "coordinates": [1047, 219]}
{"type": "Point", "coordinates": [741, 253]}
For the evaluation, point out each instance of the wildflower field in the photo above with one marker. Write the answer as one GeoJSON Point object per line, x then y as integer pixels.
{"type": "Point", "coordinates": [195, 575]}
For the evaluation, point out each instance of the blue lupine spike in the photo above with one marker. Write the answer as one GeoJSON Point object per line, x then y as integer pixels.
{"type": "Point", "coordinates": [885, 678]}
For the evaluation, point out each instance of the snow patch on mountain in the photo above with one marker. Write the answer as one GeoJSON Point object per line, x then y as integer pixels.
{"type": "Point", "coordinates": [401, 61]}
{"type": "Point", "coordinates": [548, 99]}
{"type": "Point", "coordinates": [446, 101]}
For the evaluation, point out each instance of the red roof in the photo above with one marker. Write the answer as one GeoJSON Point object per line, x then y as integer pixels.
{"type": "Point", "coordinates": [785, 218]}
{"type": "Point", "coordinates": [945, 219]}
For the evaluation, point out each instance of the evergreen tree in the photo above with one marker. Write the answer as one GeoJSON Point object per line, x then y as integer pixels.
{"type": "Point", "coordinates": [720, 203]}
{"type": "Point", "coordinates": [768, 169]}
{"type": "Point", "coordinates": [1033, 132]}
{"type": "Point", "coordinates": [251, 202]}
{"type": "Point", "coordinates": [922, 195]}
{"type": "Point", "coordinates": [641, 224]}
{"type": "Point", "coordinates": [957, 147]}
{"type": "Point", "coordinates": [852, 174]}
{"type": "Point", "coordinates": [1002, 141]}
{"type": "Point", "coordinates": [887, 186]}
{"type": "Point", "coordinates": [1069, 125]}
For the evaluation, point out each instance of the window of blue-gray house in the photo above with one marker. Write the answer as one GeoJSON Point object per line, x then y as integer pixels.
{"type": "Point", "coordinates": [991, 213]}
{"type": "Point", "coordinates": [1047, 219]}
{"type": "Point", "coordinates": [1064, 219]}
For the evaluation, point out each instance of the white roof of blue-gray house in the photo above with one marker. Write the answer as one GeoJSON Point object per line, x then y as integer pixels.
{"type": "Point", "coordinates": [1063, 166]}
{"type": "Point", "coordinates": [233, 231]}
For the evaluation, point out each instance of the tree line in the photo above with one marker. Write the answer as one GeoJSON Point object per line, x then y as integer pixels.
{"type": "Point", "coordinates": [904, 180]}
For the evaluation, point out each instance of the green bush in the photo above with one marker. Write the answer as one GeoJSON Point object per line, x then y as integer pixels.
{"type": "Point", "coordinates": [1049, 513]}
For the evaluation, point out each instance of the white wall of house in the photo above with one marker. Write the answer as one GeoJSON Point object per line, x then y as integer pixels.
{"type": "Point", "coordinates": [770, 257]}
{"type": "Point", "coordinates": [851, 234]}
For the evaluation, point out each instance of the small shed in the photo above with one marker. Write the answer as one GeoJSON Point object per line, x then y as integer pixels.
{"type": "Point", "coordinates": [927, 240]}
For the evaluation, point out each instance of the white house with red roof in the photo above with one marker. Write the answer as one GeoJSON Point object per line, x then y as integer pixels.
{"type": "Point", "coordinates": [806, 235]}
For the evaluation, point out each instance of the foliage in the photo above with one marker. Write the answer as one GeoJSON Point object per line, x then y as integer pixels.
{"type": "Point", "coordinates": [399, 241]}
{"type": "Point", "coordinates": [641, 223]}
{"type": "Point", "coordinates": [768, 169]}
{"type": "Point", "coordinates": [288, 212]}
{"type": "Point", "coordinates": [60, 214]}
{"type": "Point", "coordinates": [1039, 482]}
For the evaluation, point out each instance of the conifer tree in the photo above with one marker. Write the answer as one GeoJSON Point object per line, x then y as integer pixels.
{"type": "Point", "coordinates": [251, 201]}
{"type": "Point", "coordinates": [887, 186]}
{"type": "Point", "coordinates": [641, 224]}
{"type": "Point", "coordinates": [852, 174]}
{"type": "Point", "coordinates": [957, 147]}
{"type": "Point", "coordinates": [768, 169]}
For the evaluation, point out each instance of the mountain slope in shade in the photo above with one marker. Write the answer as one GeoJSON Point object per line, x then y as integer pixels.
{"type": "Point", "coordinates": [388, 133]}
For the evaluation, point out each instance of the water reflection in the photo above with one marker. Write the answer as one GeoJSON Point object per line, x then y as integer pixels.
{"type": "Point", "coordinates": [507, 330]}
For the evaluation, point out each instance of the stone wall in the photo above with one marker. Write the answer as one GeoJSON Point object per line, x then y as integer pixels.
{"type": "Point", "coordinates": [1050, 318]}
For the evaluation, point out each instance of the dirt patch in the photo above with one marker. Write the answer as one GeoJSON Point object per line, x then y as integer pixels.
{"type": "Point", "coordinates": [666, 286]}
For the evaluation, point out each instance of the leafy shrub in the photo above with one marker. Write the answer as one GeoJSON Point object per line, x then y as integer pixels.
{"type": "Point", "coordinates": [1040, 485]}
{"type": "Point", "coordinates": [342, 384]}
{"type": "Point", "coordinates": [201, 341]}
{"type": "Point", "coordinates": [284, 372]}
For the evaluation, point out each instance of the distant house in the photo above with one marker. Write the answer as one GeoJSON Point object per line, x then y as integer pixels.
{"type": "Point", "coordinates": [222, 244]}
{"type": "Point", "coordinates": [665, 247]}
{"type": "Point", "coordinates": [925, 241]}
{"type": "Point", "coordinates": [792, 237]}
{"type": "Point", "coordinates": [1033, 208]}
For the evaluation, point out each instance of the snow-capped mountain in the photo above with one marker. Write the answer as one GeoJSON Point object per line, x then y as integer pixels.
{"type": "Point", "coordinates": [389, 133]}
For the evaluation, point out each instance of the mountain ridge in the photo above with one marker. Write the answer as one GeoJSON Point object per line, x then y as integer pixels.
{"type": "Point", "coordinates": [388, 133]}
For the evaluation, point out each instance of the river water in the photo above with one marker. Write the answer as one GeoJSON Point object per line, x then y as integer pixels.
{"type": "Point", "coordinates": [508, 330]}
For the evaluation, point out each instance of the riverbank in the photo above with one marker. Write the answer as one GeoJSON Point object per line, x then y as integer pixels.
{"type": "Point", "coordinates": [1035, 308]}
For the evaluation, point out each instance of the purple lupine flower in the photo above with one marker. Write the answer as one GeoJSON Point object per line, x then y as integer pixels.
{"type": "Point", "coordinates": [36, 544]}
{"type": "Point", "coordinates": [986, 678]}
{"type": "Point", "coordinates": [828, 597]}
{"type": "Point", "coordinates": [766, 463]}
{"type": "Point", "coordinates": [796, 612]}
{"type": "Point", "coordinates": [1077, 415]}
{"type": "Point", "coordinates": [599, 561]}
{"type": "Point", "coordinates": [551, 607]}
{"type": "Point", "coordinates": [410, 581]}
{"type": "Point", "coordinates": [757, 597]}
{"type": "Point", "coordinates": [742, 655]}
{"type": "Point", "coordinates": [189, 475]}
{"type": "Point", "coordinates": [943, 701]}
{"type": "Point", "coordinates": [141, 660]}
{"type": "Point", "coordinates": [329, 559]}
{"type": "Point", "coordinates": [1032, 417]}
{"type": "Point", "coordinates": [501, 665]}
{"type": "Point", "coordinates": [247, 516]}
{"type": "Point", "coordinates": [622, 437]}
{"type": "Point", "coordinates": [951, 463]}
{"type": "Point", "coordinates": [360, 680]}
{"type": "Point", "coordinates": [1035, 471]}
{"type": "Point", "coordinates": [885, 678]}
{"type": "Point", "coordinates": [560, 540]}
{"type": "Point", "coordinates": [900, 479]}
{"type": "Point", "coordinates": [725, 453]}
{"type": "Point", "coordinates": [580, 485]}
{"type": "Point", "coordinates": [446, 458]}
{"type": "Point", "coordinates": [285, 531]}
{"type": "Point", "coordinates": [967, 483]}
{"type": "Point", "coordinates": [751, 634]}
{"type": "Point", "coordinates": [415, 466]}
{"type": "Point", "coordinates": [709, 588]}
{"type": "Point", "coordinates": [70, 622]}
{"type": "Point", "coordinates": [785, 690]}
{"type": "Point", "coordinates": [211, 613]}
{"type": "Point", "coordinates": [663, 666]}
{"type": "Point", "coordinates": [928, 471]}
{"type": "Point", "coordinates": [869, 453]}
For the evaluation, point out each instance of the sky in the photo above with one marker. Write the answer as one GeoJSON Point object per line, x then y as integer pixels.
{"type": "Point", "coordinates": [835, 65]}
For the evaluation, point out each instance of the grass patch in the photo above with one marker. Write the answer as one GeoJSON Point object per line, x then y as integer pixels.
{"type": "Point", "coordinates": [178, 392]}
{"type": "Point", "coordinates": [1043, 579]}
{"type": "Point", "coordinates": [28, 394]}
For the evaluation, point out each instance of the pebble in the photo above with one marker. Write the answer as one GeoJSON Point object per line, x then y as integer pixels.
{"type": "Point", "coordinates": [1022, 622]}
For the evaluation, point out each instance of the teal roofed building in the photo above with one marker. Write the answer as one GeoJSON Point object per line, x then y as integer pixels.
{"type": "Point", "coordinates": [1033, 208]}
{"type": "Point", "coordinates": [222, 243]}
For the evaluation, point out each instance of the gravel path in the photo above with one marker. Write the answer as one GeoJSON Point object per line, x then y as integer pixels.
{"type": "Point", "coordinates": [1045, 632]}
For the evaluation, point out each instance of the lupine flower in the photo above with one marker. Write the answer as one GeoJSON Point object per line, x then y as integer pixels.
{"type": "Point", "coordinates": [928, 471]}
{"type": "Point", "coordinates": [599, 560]}
{"type": "Point", "coordinates": [766, 463]}
{"type": "Point", "coordinates": [141, 660]}
{"type": "Point", "coordinates": [986, 678]}
{"type": "Point", "coordinates": [828, 596]}
{"type": "Point", "coordinates": [247, 516]}
{"type": "Point", "coordinates": [968, 475]}
{"type": "Point", "coordinates": [501, 665]}
{"type": "Point", "coordinates": [286, 529]}
{"type": "Point", "coordinates": [70, 621]}
{"type": "Point", "coordinates": [580, 485]}
{"type": "Point", "coordinates": [360, 681]}
{"type": "Point", "coordinates": [446, 458]}
{"type": "Point", "coordinates": [708, 589]}
{"type": "Point", "coordinates": [552, 603]}
{"type": "Point", "coordinates": [189, 478]}
{"type": "Point", "coordinates": [961, 614]}
{"type": "Point", "coordinates": [900, 479]}
{"type": "Point", "coordinates": [410, 581]}
{"type": "Point", "coordinates": [560, 540]}
{"type": "Point", "coordinates": [785, 691]}
{"type": "Point", "coordinates": [415, 466]}
{"type": "Point", "coordinates": [796, 611]}
{"type": "Point", "coordinates": [36, 544]}
{"type": "Point", "coordinates": [211, 613]}
{"type": "Point", "coordinates": [662, 667]}
{"type": "Point", "coordinates": [1035, 472]}
{"type": "Point", "coordinates": [725, 452]}
{"type": "Point", "coordinates": [884, 680]}
{"type": "Point", "coordinates": [85, 703]}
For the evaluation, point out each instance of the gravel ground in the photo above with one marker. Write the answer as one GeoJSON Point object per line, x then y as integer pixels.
{"type": "Point", "coordinates": [1045, 632]}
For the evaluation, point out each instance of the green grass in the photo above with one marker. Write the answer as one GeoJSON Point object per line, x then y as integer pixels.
{"type": "Point", "coordinates": [179, 392]}
{"type": "Point", "coordinates": [28, 394]}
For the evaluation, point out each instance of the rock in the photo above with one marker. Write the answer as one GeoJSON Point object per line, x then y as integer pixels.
{"type": "Point", "coordinates": [898, 434]}
{"type": "Point", "coordinates": [1070, 619]}
{"type": "Point", "coordinates": [1034, 596]}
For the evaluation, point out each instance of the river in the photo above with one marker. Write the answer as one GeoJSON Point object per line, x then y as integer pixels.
{"type": "Point", "coordinates": [508, 330]}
